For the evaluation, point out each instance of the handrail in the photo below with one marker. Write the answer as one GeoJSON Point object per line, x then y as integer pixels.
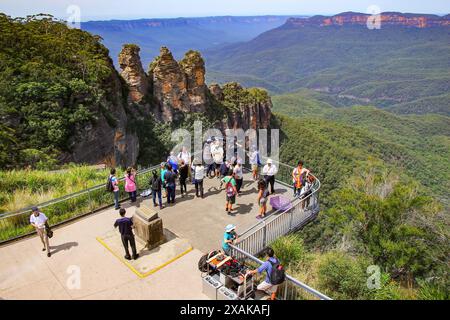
{"type": "Point", "coordinates": [289, 278]}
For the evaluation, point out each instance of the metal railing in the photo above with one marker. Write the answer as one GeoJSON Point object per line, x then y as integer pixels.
{"type": "Point", "coordinates": [291, 288]}
{"type": "Point", "coordinates": [16, 224]}
{"type": "Point", "coordinates": [283, 221]}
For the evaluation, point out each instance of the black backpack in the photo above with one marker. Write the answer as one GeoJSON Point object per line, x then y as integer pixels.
{"type": "Point", "coordinates": [109, 185]}
{"type": "Point", "coordinates": [156, 184]}
{"type": "Point", "coordinates": [278, 274]}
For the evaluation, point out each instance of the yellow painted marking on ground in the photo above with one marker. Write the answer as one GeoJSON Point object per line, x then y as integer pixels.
{"type": "Point", "coordinates": [139, 274]}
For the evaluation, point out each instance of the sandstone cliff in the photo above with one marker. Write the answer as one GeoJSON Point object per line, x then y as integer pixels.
{"type": "Point", "coordinates": [176, 89]}
{"type": "Point", "coordinates": [386, 19]}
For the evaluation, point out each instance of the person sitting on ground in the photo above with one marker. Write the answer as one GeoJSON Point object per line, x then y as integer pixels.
{"type": "Point", "coordinates": [156, 185]}
{"type": "Point", "coordinates": [229, 237]}
{"type": "Point", "coordinates": [183, 173]}
{"type": "Point", "coordinates": [269, 172]}
{"type": "Point", "coordinates": [40, 223]}
{"type": "Point", "coordinates": [231, 192]}
{"type": "Point", "coordinates": [267, 267]}
{"type": "Point", "coordinates": [263, 195]}
{"type": "Point", "coordinates": [170, 178]}
{"type": "Point", "coordinates": [199, 174]}
{"type": "Point", "coordinates": [299, 177]}
{"type": "Point", "coordinates": [125, 228]}
{"type": "Point", "coordinates": [130, 183]}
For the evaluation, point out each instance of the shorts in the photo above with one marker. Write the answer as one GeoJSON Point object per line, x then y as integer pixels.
{"type": "Point", "coordinates": [262, 202]}
{"type": "Point", "coordinates": [231, 199]}
{"type": "Point", "coordinates": [267, 287]}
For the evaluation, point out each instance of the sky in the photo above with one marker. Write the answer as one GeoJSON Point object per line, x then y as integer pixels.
{"type": "Point", "coordinates": [134, 9]}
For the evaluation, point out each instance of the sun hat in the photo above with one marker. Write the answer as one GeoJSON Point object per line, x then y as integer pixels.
{"type": "Point", "coordinates": [34, 209]}
{"type": "Point", "coordinates": [230, 227]}
{"type": "Point", "coordinates": [269, 161]}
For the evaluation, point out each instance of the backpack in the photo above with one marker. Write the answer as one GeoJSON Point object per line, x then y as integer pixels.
{"type": "Point", "coordinates": [109, 185]}
{"type": "Point", "coordinates": [156, 185]}
{"type": "Point", "coordinates": [230, 189]}
{"type": "Point", "coordinates": [278, 274]}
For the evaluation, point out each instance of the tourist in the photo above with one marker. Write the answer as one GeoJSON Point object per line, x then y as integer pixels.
{"type": "Point", "coordinates": [269, 172]}
{"type": "Point", "coordinates": [183, 173]}
{"type": "Point", "coordinates": [217, 153]}
{"type": "Point", "coordinates": [254, 162]}
{"type": "Point", "coordinates": [199, 175]}
{"type": "Point", "coordinates": [173, 161]}
{"type": "Point", "coordinates": [130, 183]}
{"type": "Point", "coordinates": [307, 189]}
{"type": "Point", "coordinates": [156, 184]}
{"type": "Point", "coordinates": [229, 237]}
{"type": "Point", "coordinates": [170, 178]}
{"type": "Point", "coordinates": [40, 223]}
{"type": "Point", "coordinates": [126, 232]}
{"type": "Point", "coordinates": [223, 170]}
{"type": "Point", "coordinates": [207, 157]}
{"type": "Point", "coordinates": [239, 176]}
{"type": "Point", "coordinates": [185, 156]}
{"type": "Point", "coordinates": [267, 285]}
{"type": "Point", "coordinates": [230, 189]}
{"type": "Point", "coordinates": [263, 195]}
{"type": "Point", "coordinates": [113, 183]}
{"type": "Point", "coordinates": [299, 177]}
{"type": "Point", "coordinates": [162, 174]}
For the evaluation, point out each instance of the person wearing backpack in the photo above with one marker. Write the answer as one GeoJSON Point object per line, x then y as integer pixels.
{"type": "Point", "coordinates": [275, 274]}
{"type": "Point", "coordinates": [231, 191]}
{"type": "Point", "coordinates": [130, 183]}
{"type": "Point", "coordinates": [113, 186]}
{"type": "Point", "coordinates": [299, 178]}
{"type": "Point", "coordinates": [263, 195]}
{"type": "Point", "coordinates": [156, 185]}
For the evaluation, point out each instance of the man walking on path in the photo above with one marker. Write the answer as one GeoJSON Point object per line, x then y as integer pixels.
{"type": "Point", "coordinates": [198, 175]}
{"type": "Point", "coordinates": [126, 231]}
{"type": "Point", "coordinates": [269, 172]}
{"type": "Point", "coordinates": [40, 222]}
{"type": "Point", "coordinates": [239, 176]}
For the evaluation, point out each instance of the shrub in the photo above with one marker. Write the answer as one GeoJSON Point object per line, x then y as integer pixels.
{"type": "Point", "coordinates": [289, 249]}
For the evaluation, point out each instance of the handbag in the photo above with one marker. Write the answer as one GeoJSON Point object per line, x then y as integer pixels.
{"type": "Point", "coordinates": [48, 231]}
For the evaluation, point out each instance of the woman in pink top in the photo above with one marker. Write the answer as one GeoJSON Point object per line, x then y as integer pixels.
{"type": "Point", "coordinates": [130, 183]}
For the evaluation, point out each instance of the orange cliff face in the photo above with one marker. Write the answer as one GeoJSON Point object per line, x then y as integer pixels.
{"type": "Point", "coordinates": [386, 18]}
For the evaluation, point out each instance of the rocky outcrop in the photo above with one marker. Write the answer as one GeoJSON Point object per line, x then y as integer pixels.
{"type": "Point", "coordinates": [108, 140]}
{"type": "Point", "coordinates": [245, 108]}
{"type": "Point", "coordinates": [386, 19]}
{"type": "Point", "coordinates": [178, 86]}
{"type": "Point", "coordinates": [133, 73]}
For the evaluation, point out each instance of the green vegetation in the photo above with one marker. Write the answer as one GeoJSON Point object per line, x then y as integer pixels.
{"type": "Point", "coordinates": [384, 198]}
{"type": "Point", "coordinates": [52, 83]}
{"type": "Point", "coordinates": [399, 67]}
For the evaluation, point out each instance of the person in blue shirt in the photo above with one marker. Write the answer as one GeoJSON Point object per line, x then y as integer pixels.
{"type": "Point", "coordinates": [229, 236]}
{"type": "Point", "coordinates": [266, 285]}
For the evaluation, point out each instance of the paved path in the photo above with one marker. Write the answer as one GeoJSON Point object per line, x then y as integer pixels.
{"type": "Point", "coordinates": [27, 273]}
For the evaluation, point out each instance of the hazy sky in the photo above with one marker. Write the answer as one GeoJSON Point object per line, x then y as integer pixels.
{"type": "Point", "coordinates": [131, 9]}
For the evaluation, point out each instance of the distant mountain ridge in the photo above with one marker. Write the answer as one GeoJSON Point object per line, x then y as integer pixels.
{"type": "Point", "coordinates": [386, 18]}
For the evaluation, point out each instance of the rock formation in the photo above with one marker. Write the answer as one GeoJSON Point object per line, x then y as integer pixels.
{"type": "Point", "coordinates": [386, 19]}
{"type": "Point", "coordinates": [133, 73]}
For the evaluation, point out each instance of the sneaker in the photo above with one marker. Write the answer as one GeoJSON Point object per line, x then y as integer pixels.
{"type": "Point", "coordinates": [49, 254]}
{"type": "Point", "coordinates": [155, 205]}
{"type": "Point", "coordinates": [136, 256]}
{"type": "Point", "coordinates": [127, 257]}
{"type": "Point", "coordinates": [259, 217]}
{"type": "Point", "coordinates": [43, 249]}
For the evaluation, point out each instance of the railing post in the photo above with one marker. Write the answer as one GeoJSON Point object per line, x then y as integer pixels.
{"type": "Point", "coordinates": [264, 234]}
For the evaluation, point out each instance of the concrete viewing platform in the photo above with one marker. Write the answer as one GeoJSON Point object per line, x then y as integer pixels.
{"type": "Point", "coordinates": [86, 250]}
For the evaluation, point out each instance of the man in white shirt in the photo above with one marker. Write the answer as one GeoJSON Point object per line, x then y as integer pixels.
{"type": "Point", "coordinates": [253, 157]}
{"type": "Point", "coordinates": [269, 172]}
{"type": "Point", "coordinates": [38, 220]}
